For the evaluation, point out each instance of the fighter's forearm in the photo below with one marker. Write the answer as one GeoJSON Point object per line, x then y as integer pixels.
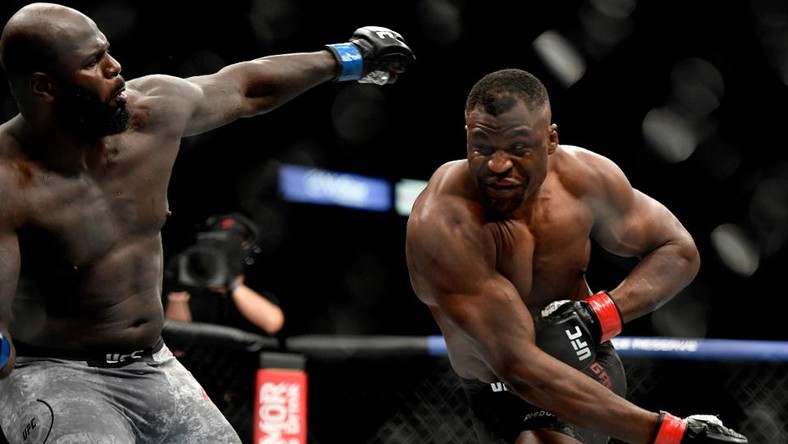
{"type": "Point", "coordinates": [578, 399]}
{"type": "Point", "coordinates": [268, 82]}
{"type": "Point", "coordinates": [656, 279]}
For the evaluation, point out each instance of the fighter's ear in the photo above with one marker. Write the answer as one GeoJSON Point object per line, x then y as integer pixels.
{"type": "Point", "coordinates": [552, 134]}
{"type": "Point", "coordinates": [42, 86]}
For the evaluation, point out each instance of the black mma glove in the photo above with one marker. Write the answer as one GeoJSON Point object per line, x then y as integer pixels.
{"type": "Point", "coordinates": [571, 330]}
{"type": "Point", "coordinates": [694, 429]}
{"type": "Point", "coordinates": [373, 55]}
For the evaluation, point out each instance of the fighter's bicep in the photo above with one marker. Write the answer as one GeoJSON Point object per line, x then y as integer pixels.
{"type": "Point", "coordinates": [216, 104]}
{"type": "Point", "coordinates": [637, 227]}
{"type": "Point", "coordinates": [486, 308]}
{"type": "Point", "coordinates": [446, 257]}
{"type": "Point", "coordinates": [464, 282]}
{"type": "Point", "coordinates": [184, 106]}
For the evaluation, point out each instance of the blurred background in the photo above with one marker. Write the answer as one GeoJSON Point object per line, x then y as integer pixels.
{"type": "Point", "coordinates": [689, 98]}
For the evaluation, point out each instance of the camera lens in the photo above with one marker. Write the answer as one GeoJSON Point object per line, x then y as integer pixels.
{"type": "Point", "coordinates": [212, 262]}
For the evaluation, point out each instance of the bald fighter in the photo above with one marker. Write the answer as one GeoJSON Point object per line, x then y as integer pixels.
{"type": "Point", "coordinates": [84, 171]}
{"type": "Point", "coordinates": [497, 247]}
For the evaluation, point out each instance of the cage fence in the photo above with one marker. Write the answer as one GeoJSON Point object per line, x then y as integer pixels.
{"type": "Point", "coordinates": [370, 391]}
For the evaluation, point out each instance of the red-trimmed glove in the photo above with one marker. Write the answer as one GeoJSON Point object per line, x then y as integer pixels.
{"type": "Point", "coordinates": [571, 330]}
{"type": "Point", "coordinates": [705, 429]}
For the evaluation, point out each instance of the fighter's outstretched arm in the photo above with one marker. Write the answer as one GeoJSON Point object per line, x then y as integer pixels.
{"type": "Point", "coordinates": [244, 89]}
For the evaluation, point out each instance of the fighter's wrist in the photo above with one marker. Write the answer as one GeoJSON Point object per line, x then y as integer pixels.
{"type": "Point", "coordinates": [670, 429]}
{"type": "Point", "coordinates": [350, 63]}
{"type": "Point", "coordinates": [608, 313]}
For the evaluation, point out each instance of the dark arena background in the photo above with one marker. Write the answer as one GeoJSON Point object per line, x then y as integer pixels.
{"type": "Point", "coordinates": [689, 98]}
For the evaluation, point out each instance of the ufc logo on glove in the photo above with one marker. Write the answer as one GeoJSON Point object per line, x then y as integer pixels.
{"type": "Point", "coordinates": [383, 34]}
{"type": "Point", "coordinates": [586, 323]}
{"type": "Point", "coordinates": [580, 346]}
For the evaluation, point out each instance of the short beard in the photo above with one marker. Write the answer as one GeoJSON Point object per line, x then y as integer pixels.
{"type": "Point", "coordinates": [87, 116]}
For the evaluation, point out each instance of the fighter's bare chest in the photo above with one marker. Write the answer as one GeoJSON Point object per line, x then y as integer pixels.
{"type": "Point", "coordinates": [545, 258]}
{"type": "Point", "coordinates": [83, 217]}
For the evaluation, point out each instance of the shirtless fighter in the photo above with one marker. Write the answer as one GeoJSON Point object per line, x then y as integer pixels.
{"type": "Point", "coordinates": [84, 171]}
{"type": "Point", "coordinates": [497, 246]}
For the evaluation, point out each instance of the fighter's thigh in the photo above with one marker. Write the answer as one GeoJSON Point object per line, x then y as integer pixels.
{"type": "Point", "coordinates": [52, 402]}
{"type": "Point", "coordinates": [198, 419]}
{"type": "Point", "coordinates": [76, 423]}
{"type": "Point", "coordinates": [203, 422]}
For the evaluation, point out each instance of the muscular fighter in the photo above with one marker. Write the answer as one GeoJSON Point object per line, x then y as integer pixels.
{"type": "Point", "coordinates": [84, 171]}
{"type": "Point", "coordinates": [497, 247]}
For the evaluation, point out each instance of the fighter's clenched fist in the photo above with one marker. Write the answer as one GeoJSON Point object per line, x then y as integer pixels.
{"type": "Point", "coordinates": [373, 55]}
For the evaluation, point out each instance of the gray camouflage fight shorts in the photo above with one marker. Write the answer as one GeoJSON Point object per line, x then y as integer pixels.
{"type": "Point", "coordinates": [146, 396]}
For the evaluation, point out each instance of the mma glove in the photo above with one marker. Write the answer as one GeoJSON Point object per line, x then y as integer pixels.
{"type": "Point", "coordinates": [5, 351]}
{"type": "Point", "coordinates": [695, 429]}
{"type": "Point", "coordinates": [373, 55]}
{"type": "Point", "coordinates": [571, 330]}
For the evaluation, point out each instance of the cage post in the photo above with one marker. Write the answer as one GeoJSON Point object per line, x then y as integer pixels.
{"type": "Point", "coordinates": [280, 404]}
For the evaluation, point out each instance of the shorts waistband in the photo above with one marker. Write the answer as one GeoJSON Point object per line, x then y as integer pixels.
{"type": "Point", "coordinates": [96, 358]}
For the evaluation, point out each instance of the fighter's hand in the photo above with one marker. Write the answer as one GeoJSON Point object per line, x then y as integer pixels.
{"type": "Point", "coordinates": [695, 429]}
{"type": "Point", "coordinates": [373, 55]}
{"type": "Point", "coordinates": [571, 330]}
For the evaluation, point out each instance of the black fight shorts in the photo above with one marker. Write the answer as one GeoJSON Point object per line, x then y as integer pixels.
{"type": "Point", "coordinates": [499, 416]}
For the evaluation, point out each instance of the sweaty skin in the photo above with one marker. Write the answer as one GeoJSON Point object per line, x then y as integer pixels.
{"type": "Point", "coordinates": [496, 237]}
{"type": "Point", "coordinates": [80, 217]}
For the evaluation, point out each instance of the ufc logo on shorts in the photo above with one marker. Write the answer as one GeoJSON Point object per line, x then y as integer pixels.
{"type": "Point", "coordinates": [114, 358]}
{"type": "Point", "coordinates": [580, 346]}
{"type": "Point", "coordinates": [29, 428]}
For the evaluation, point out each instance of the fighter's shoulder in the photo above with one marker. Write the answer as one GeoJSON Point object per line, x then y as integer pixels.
{"type": "Point", "coordinates": [580, 166]}
{"type": "Point", "coordinates": [161, 85]}
{"type": "Point", "coordinates": [448, 181]}
{"type": "Point", "coordinates": [586, 173]}
{"type": "Point", "coordinates": [573, 156]}
{"type": "Point", "coordinates": [447, 197]}
{"type": "Point", "coordinates": [161, 99]}
{"type": "Point", "coordinates": [10, 147]}
{"type": "Point", "coordinates": [448, 171]}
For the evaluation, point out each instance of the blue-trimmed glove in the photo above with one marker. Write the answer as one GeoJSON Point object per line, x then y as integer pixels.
{"type": "Point", "coordinates": [373, 55]}
{"type": "Point", "coordinates": [5, 351]}
{"type": "Point", "coordinates": [699, 429]}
